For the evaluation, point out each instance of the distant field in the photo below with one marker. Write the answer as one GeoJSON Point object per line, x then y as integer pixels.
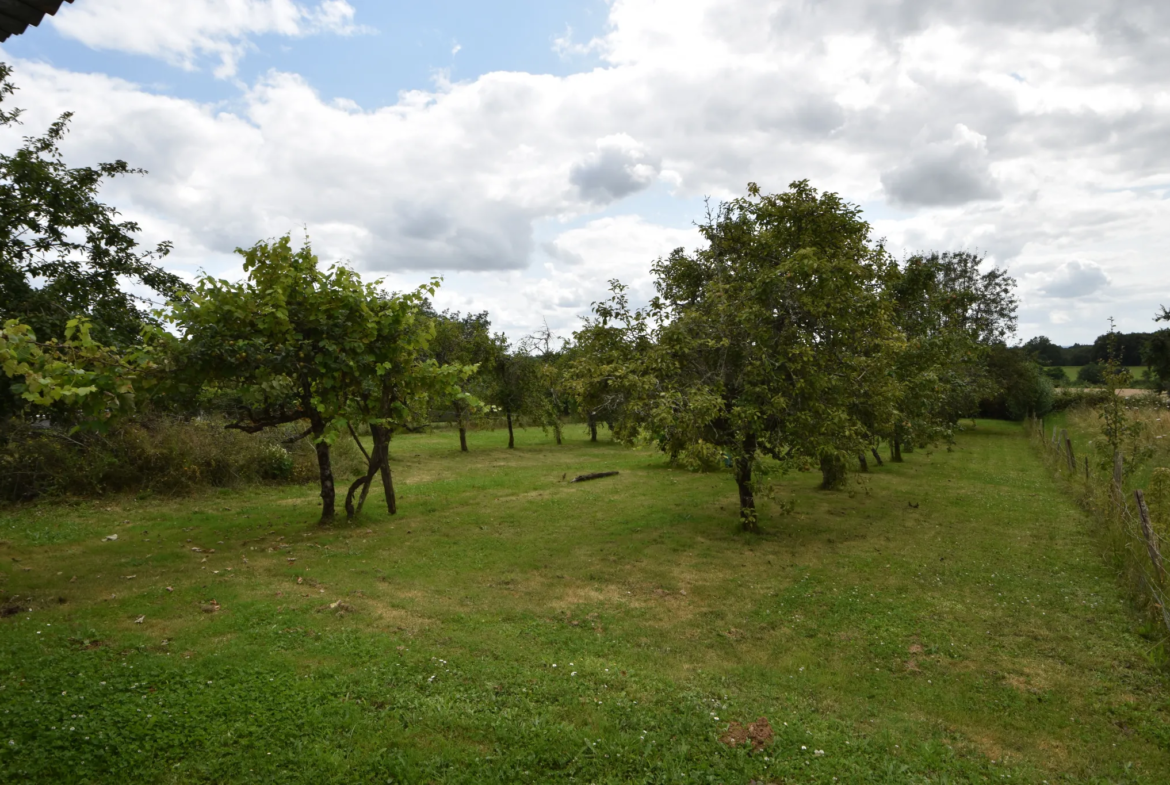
{"type": "Point", "coordinates": [947, 619]}
{"type": "Point", "coordinates": [1070, 371]}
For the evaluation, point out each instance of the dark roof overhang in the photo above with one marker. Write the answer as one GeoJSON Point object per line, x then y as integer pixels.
{"type": "Point", "coordinates": [17, 15]}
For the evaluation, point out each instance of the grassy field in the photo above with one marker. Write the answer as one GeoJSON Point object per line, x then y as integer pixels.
{"type": "Point", "coordinates": [1070, 371]}
{"type": "Point", "coordinates": [948, 619]}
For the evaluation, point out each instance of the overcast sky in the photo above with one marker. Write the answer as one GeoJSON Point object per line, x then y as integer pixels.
{"type": "Point", "coordinates": [530, 150]}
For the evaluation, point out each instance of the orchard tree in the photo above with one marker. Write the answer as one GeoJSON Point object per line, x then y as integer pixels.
{"type": "Point", "coordinates": [464, 340]}
{"type": "Point", "coordinates": [300, 343]}
{"type": "Point", "coordinates": [396, 384]}
{"type": "Point", "coordinates": [549, 397]}
{"type": "Point", "coordinates": [952, 315]}
{"type": "Point", "coordinates": [762, 338]}
{"type": "Point", "coordinates": [514, 383]}
{"type": "Point", "coordinates": [603, 371]}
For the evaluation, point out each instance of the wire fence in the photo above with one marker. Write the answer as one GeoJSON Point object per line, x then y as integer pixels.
{"type": "Point", "coordinates": [1129, 534]}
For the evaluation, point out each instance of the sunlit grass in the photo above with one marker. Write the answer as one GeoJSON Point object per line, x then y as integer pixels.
{"type": "Point", "coordinates": [946, 618]}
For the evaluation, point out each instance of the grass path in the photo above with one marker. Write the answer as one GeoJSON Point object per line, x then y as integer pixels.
{"type": "Point", "coordinates": [948, 619]}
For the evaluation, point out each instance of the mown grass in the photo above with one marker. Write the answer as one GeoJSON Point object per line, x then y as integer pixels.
{"type": "Point", "coordinates": [947, 619]}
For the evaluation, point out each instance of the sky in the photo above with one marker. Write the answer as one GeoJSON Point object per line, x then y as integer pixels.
{"type": "Point", "coordinates": [530, 151]}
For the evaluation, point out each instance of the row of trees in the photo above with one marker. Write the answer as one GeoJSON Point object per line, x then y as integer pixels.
{"type": "Point", "coordinates": [791, 336]}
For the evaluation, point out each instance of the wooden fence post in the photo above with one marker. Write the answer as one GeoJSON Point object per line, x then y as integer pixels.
{"type": "Point", "coordinates": [1151, 540]}
{"type": "Point", "coordinates": [1086, 468]}
{"type": "Point", "coordinates": [1072, 461]}
{"type": "Point", "coordinates": [1117, 476]}
{"type": "Point", "coordinates": [1054, 433]}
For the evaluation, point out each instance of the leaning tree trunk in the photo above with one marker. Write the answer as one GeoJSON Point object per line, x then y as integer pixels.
{"type": "Point", "coordinates": [325, 469]}
{"type": "Point", "coordinates": [833, 472]}
{"type": "Point", "coordinates": [363, 483]}
{"type": "Point", "coordinates": [511, 435]}
{"type": "Point", "coordinates": [382, 437]}
{"type": "Point", "coordinates": [876, 456]}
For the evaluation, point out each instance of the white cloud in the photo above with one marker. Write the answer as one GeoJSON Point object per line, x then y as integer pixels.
{"type": "Point", "coordinates": [182, 33]}
{"type": "Point", "coordinates": [618, 167]}
{"type": "Point", "coordinates": [943, 173]}
{"type": "Point", "coordinates": [1073, 279]}
{"type": "Point", "coordinates": [1034, 132]}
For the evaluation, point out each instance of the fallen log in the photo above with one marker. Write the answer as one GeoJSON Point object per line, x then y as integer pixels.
{"type": "Point", "coordinates": [594, 476]}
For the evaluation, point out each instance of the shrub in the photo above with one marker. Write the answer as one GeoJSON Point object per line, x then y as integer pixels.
{"type": "Point", "coordinates": [1056, 374]}
{"type": "Point", "coordinates": [157, 455]}
{"type": "Point", "coordinates": [276, 463]}
{"type": "Point", "coordinates": [1066, 398]}
{"type": "Point", "coordinates": [1093, 373]}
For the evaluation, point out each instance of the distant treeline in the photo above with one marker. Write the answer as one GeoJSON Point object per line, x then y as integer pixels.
{"type": "Point", "coordinates": [1130, 349]}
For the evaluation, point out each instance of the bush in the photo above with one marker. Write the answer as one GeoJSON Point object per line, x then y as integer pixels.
{"type": "Point", "coordinates": [276, 463]}
{"type": "Point", "coordinates": [1056, 374]}
{"type": "Point", "coordinates": [158, 455]}
{"type": "Point", "coordinates": [1093, 373]}
{"type": "Point", "coordinates": [1022, 388]}
{"type": "Point", "coordinates": [1066, 398]}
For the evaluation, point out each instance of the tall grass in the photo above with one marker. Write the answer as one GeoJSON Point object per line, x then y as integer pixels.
{"type": "Point", "coordinates": [154, 456]}
{"type": "Point", "coordinates": [1146, 467]}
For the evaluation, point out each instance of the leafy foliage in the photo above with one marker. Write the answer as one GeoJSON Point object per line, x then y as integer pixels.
{"type": "Point", "coordinates": [762, 340]}
{"type": "Point", "coordinates": [62, 252]}
{"type": "Point", "coordinates": [76, 379]}
{"type": "Point", "coordinates": [465, 339]}
{"type": "Point", "coordinates": [297, 342]}
{"type": "Point", "coordinates": [1156, 354]}
{"type": "Point", "coordinates": [952, 316]}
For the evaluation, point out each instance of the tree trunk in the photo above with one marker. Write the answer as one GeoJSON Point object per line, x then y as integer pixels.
{"type": "Point", "coordinates": [833, 472]}
{"type": "Point", "coordinates": [459, 417]}
{"type": "Point", "coordinates": [896, 448]}
{"type": "Point", "coordinates": [862, 463]}
{"type": "Point", "coordinates": [511, 436]}
{"type": "Point", "coordinates": [362, 482]}
{"type": "Point", "coordinates": [743, 479]}
{"type": "Point", "coordinates": [592, 427]}
{"type": "Point", "coordinates": [328, 492]}
{"type": "Point", "coordinates": [557, 430]}
{"type": "Point", "coordinates": [382, 437]}
{"type": "Point", "coordinates": [747, 500]}
{"type": "Point", "coordinates": [876, 456]}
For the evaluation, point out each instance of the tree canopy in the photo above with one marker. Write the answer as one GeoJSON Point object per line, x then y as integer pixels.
{"type": "Point", "coordinates": [761, 339]}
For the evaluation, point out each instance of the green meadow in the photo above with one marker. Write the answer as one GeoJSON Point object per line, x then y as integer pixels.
{"type": "Point", "coordinates": [946, 619]}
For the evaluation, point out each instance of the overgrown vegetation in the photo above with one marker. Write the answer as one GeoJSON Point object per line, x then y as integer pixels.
{"type": "Point", "coordinates": [156, 455]}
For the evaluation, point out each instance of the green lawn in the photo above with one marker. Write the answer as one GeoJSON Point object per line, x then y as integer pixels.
{"type": "Point", "coordinates": [948, 619]}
